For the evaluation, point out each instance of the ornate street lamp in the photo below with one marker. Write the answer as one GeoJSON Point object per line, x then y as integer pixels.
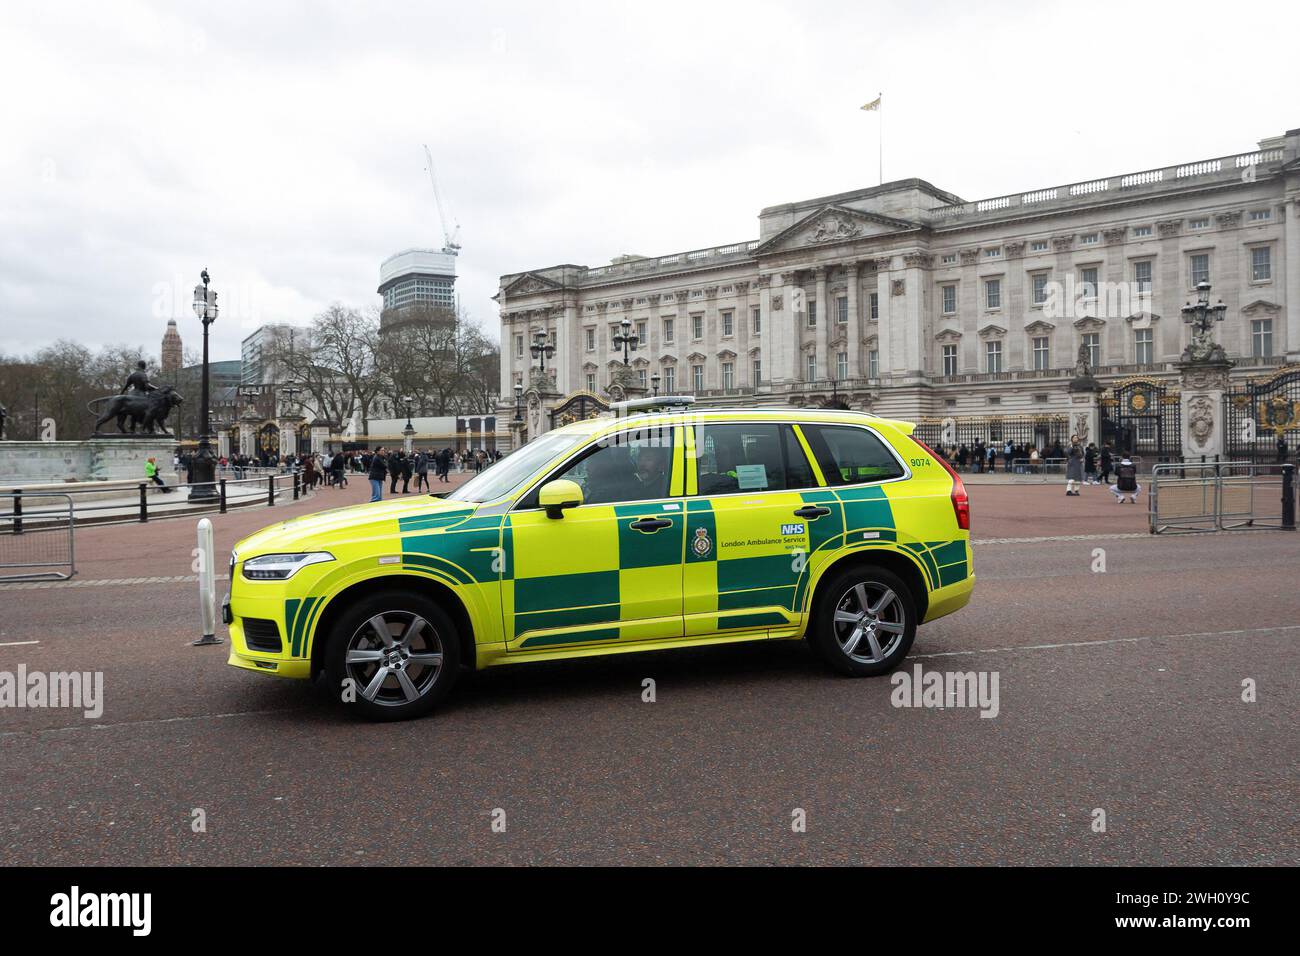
{"type": "Point", "coordinates": [654, 383]}
{"type": "Point", "coordinates": [408, 433]}
{"type": "Point", "coordinates": [541, 348]}
{"type": "Point", "coordinates": [1202, 317]}
{"type": "Point", "coordinates": [626, 339]}
{"type": "Point", "coordinates": [407, 401]}
{"type": "Point", "coordinates": [203, 467]}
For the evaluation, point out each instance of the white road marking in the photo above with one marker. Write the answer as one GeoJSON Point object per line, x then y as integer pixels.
{"type": "Point", "coordinates": [106, 582]}
{"type": "Point", "coordinates": [1115, 640]}
{"type": "Point", "coordinates": [17, 643]}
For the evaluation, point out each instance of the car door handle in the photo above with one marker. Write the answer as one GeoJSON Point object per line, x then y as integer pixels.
{"type": "Point", "coordinates": [651, 525]}
{"type": "Point", "coordinates": [812, 512]}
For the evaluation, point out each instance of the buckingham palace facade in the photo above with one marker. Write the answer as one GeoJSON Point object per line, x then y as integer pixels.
{"type": "Point", "coordinates": [908, 301]}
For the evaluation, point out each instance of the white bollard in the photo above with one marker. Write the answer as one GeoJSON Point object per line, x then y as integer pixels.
{"type": "Point", "coordinates": [207, 586]}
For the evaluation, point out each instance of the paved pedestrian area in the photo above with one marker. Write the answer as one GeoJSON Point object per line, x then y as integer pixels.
{"type": "Point", "coordinates": [1121, 657]}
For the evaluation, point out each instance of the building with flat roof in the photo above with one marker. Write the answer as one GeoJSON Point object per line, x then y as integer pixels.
{"type": "Point", "coordinates": [417, 277]}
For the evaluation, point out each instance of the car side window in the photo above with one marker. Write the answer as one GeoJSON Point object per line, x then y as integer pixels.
{"type": "Point", "coordinates": [628, 466]}
{"type": "Point", "coordinates": [759, 456]}
{"type": "Point", "coordinates": [849, 456]}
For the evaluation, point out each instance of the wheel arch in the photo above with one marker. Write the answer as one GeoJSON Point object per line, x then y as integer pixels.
{"type": "Point", "coordinates": [904, 565]}
{"type": "Point", "coordinates": [444, 596]}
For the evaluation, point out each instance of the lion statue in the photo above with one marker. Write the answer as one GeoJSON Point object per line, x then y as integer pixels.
{"type": "Point", "coordinates": [147, 411]}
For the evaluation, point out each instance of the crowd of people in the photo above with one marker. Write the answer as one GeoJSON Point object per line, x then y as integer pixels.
{"type": "Point", "coordinates": [391, 466]}
{"type": "Point", "coordinates": [1083, 464]}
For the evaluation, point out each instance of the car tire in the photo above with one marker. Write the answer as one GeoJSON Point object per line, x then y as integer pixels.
{"type": "Point", "coordinates": [857, 640]}
{"type": "Point", "coordinates": [419, 658]}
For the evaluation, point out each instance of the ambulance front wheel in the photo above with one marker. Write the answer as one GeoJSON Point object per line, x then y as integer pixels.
{"type": "Point", "coordinates": [392, 656]}
{"type": "Point", "coordinates": [865, 621]}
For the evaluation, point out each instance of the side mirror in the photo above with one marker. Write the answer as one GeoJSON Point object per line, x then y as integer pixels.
{"type": "Point", "coordinates": [557, 495]}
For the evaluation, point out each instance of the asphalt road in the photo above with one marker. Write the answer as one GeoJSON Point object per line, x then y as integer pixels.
{"type": "Point", "coordinates": [1119, 690]}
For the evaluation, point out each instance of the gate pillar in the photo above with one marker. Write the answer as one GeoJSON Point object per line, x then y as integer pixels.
{"type": "Point", "coordinates": [1203, 425]}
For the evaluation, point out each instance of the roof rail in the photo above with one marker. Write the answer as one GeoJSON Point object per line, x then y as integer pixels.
{"type": "Point", "coordinates": [631, 406]}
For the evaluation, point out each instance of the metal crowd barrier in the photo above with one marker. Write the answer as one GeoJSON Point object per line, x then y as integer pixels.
{"type": "Point", "coordinates": [25, 549]}
{"type": "Point", "coordinates": [1221, 496]}
{"type": "Point", "coordinates": [27, 515]}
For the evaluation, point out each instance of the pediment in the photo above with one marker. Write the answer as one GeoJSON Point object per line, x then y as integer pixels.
{"type": "Point", "coordinates": [948, 335]}
{"type": "Point", "coordinates": [1089, 323]}
{"type": "Point", "coordinates": [696, 357]}
{"type": "Point", "coordinates": [831, 225]}
{"type": "Point", "coordinates": [992, 331]}
{"type": "Point", "coordinates": [726, 353]}
{"type": "Point", "coordinates": [1039, 327]}
{"type": "Point", "coordinates": [530, 283]}
{"type": "Point", "coordinates": [1261, 305]}
{"type": "Point", "coordinates": [1142, 318]}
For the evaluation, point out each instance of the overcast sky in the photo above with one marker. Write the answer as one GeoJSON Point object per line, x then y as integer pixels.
{"type": "Point", "coordinates": [279, 144]}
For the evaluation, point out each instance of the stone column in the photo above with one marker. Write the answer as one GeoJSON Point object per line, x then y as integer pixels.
{"type": "Point", "coordinates": [884, 336]}
{"type": "Point", "coordinates": [565, 317]}
{"type": "Point", "coordinates": [1202, 385]}
{"type": "Point", "coordinates": [824, 325]}
{"type": "Point", "coordinates": [853, 332]}
{"type": "Point", "coordinates": [1291, 242]}
{"type": "Point", "coordinates": [223, 443]}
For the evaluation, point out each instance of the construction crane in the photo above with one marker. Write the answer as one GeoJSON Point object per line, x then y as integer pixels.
{"type": "Point", "coordinates": [450, 240]}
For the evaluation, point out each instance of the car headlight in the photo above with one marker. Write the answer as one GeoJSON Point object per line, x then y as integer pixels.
{"type": "Point", "coordinates": [280, 567]}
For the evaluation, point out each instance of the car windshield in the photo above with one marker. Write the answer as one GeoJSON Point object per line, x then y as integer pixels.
{"type": "Point", "coordinates": [516, 468]}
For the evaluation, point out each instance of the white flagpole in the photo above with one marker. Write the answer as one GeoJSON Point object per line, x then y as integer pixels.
{"type": "Point", "coordinates": [880, 138]}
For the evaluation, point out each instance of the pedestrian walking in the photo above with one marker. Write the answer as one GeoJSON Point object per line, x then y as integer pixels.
{"type": "Point", "coordinates": [151, 472]}
{"type": "Point", "coordinates": [1107, 462]}
{"type": "Point", "coordinates": [422, 471]}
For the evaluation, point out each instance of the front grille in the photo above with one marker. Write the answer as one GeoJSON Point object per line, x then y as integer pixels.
{"type": "Point", "coordinates": [261, 635]}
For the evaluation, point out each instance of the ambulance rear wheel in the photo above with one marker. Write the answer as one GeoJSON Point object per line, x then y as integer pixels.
{"type": "Point", "coordinates": [392, 656]}
{"type": "Point", "coordinates": [865, 621]}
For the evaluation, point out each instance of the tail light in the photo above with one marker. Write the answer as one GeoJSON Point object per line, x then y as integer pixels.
{"type": "Point", "coordinates": [960, 500]}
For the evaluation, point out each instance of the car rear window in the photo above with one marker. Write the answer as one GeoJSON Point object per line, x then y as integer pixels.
{"type": "Point", "coordinates": [849, 456]}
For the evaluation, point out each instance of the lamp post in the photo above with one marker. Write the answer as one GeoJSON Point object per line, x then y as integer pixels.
{"type": "Point", "coordinates": [408, 433]}
{"type": "Point", "coordinates": [625, 339]}
{"type": "Point", "coordinates": [519, 404]}
{"type": "Point", "coordinates": [203, 466]}
{"type": "Point", "coordinates": [1202, 317]}
{"type": "Point", "coordinates": [541, 348]}
{"type": "Point", "coordinates": [654, 383]}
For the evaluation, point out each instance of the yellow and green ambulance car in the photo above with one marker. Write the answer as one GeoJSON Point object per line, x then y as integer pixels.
{"type": "Point", "coordinates": [665, 526]}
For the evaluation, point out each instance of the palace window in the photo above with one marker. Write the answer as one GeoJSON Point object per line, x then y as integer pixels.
{"type": "Point", "coordinates": [591, 381]}
{"type": "Point", "coordinates": [841, 365]}
{"type": "Point", "coordinates": [1042, 353]}
{"type": "Point", "coordinates": [993, 356]}
{"type": "Point", "coordinates": [670, 379]}
{"type": "Point", "coordinates": [949, 299]}
{"type": "Point", "coordinates": [668, 331]}
{"type": "Point", "coordinates": [519, 346]}
{"type": "Point", "coordinates": [1143, 346]}
{"type": "Point", "coordinates": [1200, 268]}
{"type": "Point", "coordinates": [1202, 223]}
{"type": "Point", "coordinates": [993, 294]}
{"type": "Point", "coordinates": [641, 377]}
{"type": "Point", "coordinates": [1141, 232]}
{"type": "Point", "coordinates": [1090, 239]}
{"type": "Point", "coordinates": [812, 315]}
{"type": "Point", "coordinates": [758, 371]}
{"type": "Point", "coordinates": [1261, 264]}
{"type": "Point", "coordinates": [757, 317]}
{"type": "Point", "coordinates": [728, 323]}
{"type": "Point", "coordinates": [728, 375]}
{"type": "Point", "coordinates": [591, 340]}
{"type": "Point", "coordinates": [812, 367]}
{"type": "Point", "coordinates": [948, 258]}
{"type": "Point", "coordinates": [875, 305]}
{"type": "Point", "coordinates": [1038, 245]}
{"type": "Point", "coordinates": [641, 332]}
{"type": "Point", "coordinates": [873, 364]}
{"type": "Point", "coordinates": [1142, 276]}
{"type": "Point", "coordinates": [1260, 215]}
{"type": "Point", "coordinates": [1261, 337]}
{"type": "Point", "coordinates": [697, 326]}
{"type": "Point", "coordinates": [1092, 342]}
{"type": "Point", "coordinates": [992, 253]}
{"type": "Point", "coordinates": [842, 309]}
{"type": "Point", "coordinates": [1039, 288]}
{"type": "Point", "coordinates": [697, 377]}
{"type": "Point", "coordinates": [1088, 282]}
{"type": "Point", "coordinates": [950, 360]}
